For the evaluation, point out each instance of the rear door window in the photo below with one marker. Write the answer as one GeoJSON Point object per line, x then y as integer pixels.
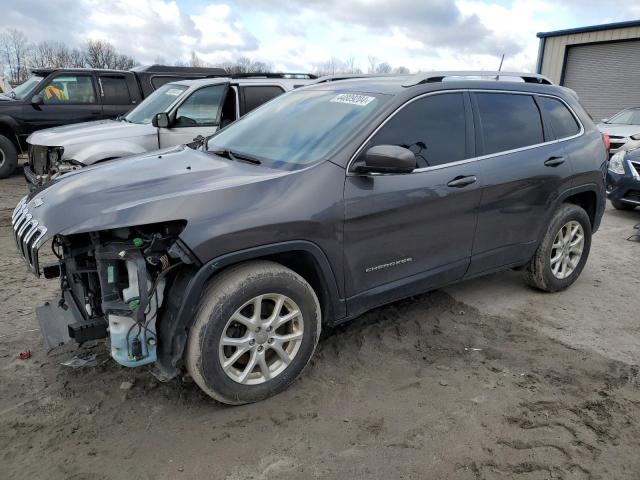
{"type": "Point", "coordinates": [433, 128]}
{"type": "Point", "coordinates": [562, 122]}
{"type": "Point", "coordinates": [114, 90]}
{"type": "Point", "coordinates": [509, 121]}
{"type": "Point", "coordinates": [254, 96]}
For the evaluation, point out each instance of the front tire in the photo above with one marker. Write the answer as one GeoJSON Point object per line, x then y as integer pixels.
{"type": "Point", "coordinates": [563, 252]}
{"type": "Point", "coordinates": [256, 328]}
{"type": "Point", "coordinates": [8, 157]}
{"type": "Point", "coordinates": [618, 205]}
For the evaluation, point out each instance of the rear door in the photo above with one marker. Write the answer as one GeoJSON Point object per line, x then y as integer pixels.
{"type": "Point", "coordinates": [115, 95]}
{"type": "Point", "coordinates": [405, 233]}
{"type": "Point", "coordinates": [198, 114]}
{"type": "Point", "coordinates": [524, 168]}
{"type": "Point", "coordinates": [67, 98]}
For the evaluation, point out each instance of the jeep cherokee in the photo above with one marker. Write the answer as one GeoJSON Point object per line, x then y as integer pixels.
{"type": "Point", "coordinates": [322, 204]}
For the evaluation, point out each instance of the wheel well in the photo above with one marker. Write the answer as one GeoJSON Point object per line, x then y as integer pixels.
{"type": "Point", "coordinates": [305, 265]}
{"type": "Point", "coordinates": [587, 200]}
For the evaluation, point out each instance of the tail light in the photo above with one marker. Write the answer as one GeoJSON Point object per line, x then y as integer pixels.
{"type": "Point", "coordinates": [607, 141]}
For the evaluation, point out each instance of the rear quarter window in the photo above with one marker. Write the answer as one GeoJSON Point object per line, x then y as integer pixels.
{"type": "Point", "coordinates": [562, 122]}
{"type": "Point", "coordinates": [509, 121]}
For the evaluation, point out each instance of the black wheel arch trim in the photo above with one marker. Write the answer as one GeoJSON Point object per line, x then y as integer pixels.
{"type": "Point", "coordinates": [594, 188]}
{"type": "Point", "coordinates": [187, 288]}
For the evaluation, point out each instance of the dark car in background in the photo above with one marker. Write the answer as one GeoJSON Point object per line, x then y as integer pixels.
{"type": "Point", "coordinates": [326, 202]}
{"type": "Point", "coordinates": [623, 180]}
{"type": "Point", "coordinates": [53, 97]}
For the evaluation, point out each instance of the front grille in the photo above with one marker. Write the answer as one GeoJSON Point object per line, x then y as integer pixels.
{"type": "Point", "coordinates": [616, 144]}
{"type": "Point", "coordinates": [633, 195]}
{"type": "Point", "coordinates": [615, 136]}
{"type": "Point", "coordinates": [27, 233]}
{"type": "Point", "coordinates": [38, 159]}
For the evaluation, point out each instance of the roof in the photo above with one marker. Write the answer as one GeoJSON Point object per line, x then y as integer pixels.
{"type": "Point", "coordinates": [592, 28]}
{"type": "Point", "coordinates": [48, 70]}
{"type": "Point", "coordinates": [198, 82]}
{"type": "Point", "coordinates": [174, 69]}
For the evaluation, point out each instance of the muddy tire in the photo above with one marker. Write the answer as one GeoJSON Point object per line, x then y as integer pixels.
{"type": "Point", "coordinates": [8, 157]}
{"type": "Point", "coordinates": [256, 328]}
{"type": "Point", "coordinates": [618, 205]}
{"type": "Point", "coordinates": [563, 252]}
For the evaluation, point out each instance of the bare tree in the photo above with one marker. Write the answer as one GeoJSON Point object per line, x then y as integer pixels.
{"type": "Point", "coordinates": [246, 65]}
{"type": "Point", "coordinates": [15, 49]}
{"type": "Point", "coordinates": [401, 70]}
{"type": "Point", "coordinates": [373, 61]}
{"type": "Point", "coordinates": [101, 54]}
{"type": "Point", "coordinates": [196, 61]}
{"type": "Point", "coordinates": [383, 68]}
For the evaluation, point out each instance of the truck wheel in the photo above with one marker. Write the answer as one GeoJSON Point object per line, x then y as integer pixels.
{"type": "Point", "coordinates": [563, 252]}
{"type": "Point", "coordinates": [256, 328]}
{"type": "Point", "coordinates": [8, 157]}
{"type": "Point", "coordinates": [618, 205]}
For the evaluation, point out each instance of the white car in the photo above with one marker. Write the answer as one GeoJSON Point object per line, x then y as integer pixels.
{"type": "Point", "coordinates": [174, 114]}
{"type": "Point", "coordinates": [623, 129]}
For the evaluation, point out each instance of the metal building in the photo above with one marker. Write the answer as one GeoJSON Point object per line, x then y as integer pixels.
{"type": "Point", "coordinates": [601, 63]}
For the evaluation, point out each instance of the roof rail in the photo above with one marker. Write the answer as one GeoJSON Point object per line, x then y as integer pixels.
{"type": "Point", "coordinates": [293, 75]}
{"type": "Point", "coordinates": [434, 77]}
{"type": "Point", "coordinates": [174, 69]}
{"type": "Point", "coordinates": [347, 76]}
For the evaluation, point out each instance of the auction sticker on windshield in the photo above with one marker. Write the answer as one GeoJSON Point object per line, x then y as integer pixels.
{"type": "Point", "coordinates": [353, 99]}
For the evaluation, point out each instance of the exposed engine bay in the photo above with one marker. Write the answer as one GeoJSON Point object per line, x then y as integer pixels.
{"type": "Point", "coordinates": [112, 284]}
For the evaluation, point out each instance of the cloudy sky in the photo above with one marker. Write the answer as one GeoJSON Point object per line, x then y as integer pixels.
{"type": "Point", "coordinates": [299, 35]}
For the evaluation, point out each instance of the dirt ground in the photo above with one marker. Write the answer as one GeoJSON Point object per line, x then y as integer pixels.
{"type": "Point", "coordinates": [485, 380]}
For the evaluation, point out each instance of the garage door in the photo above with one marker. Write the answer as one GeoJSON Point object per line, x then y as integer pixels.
{"type": "Point", "coordinates": [606, 76]}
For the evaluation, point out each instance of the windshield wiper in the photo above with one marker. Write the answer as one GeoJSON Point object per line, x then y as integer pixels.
{"type": "Point", "coordinates": [237, 156]}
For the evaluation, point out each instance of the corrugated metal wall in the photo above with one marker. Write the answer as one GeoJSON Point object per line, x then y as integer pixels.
{"type": "Point", "coordinates": [554, 47]}
{"type": "Point", "coordinates": [606, 76]}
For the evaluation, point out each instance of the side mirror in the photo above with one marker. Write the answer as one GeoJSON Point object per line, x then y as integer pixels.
{"type": "Point", "coordinates": [388, 159]}
{"type": "Point", "coordinates": [160, 120]}
{"type": "Point", "coordinates": [37, 100]}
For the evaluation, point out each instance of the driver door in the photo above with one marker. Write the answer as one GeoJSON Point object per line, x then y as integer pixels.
{"type": "Point", "coordinates": [198, 114]}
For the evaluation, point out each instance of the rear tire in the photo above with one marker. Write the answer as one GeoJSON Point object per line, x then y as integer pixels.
{"type": "Point", "coordinates": [8, 157]}
{"type": "Point", "coordinates": [256, 328]}
{"type": "Point", "coordinates": [556, 264]}
{"type": "Point", "coordinates": [618, 205]}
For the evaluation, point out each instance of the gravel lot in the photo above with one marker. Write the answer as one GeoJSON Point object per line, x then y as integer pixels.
{"type": "Point", "coordinates": [484, 380]}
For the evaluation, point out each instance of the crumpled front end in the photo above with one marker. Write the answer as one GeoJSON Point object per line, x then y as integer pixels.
{"type": "Point", "coordinates": [46, 164]}
{"type": "Point", "coordinates": [112, 282]}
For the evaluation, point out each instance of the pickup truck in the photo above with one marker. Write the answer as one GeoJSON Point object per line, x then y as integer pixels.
{"type": "Point", "coordinates": [174, 114]}
{"type": "Point", "coordinates": [59, 96]}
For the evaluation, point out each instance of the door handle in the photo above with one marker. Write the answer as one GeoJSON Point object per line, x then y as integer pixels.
{"type": "Point", "coordinates": [460, 182]}
{"type": "Point", "coordinates": [554, 161]}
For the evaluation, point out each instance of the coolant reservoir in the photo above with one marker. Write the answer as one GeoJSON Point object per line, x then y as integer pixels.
{"type": "Point", "coordinates": [125, 333]}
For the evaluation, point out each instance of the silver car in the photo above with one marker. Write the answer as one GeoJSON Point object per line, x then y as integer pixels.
{"type": "Point", "coordinates": [174, 114]}
{"type": "Point", "coordinates": [623, 129]}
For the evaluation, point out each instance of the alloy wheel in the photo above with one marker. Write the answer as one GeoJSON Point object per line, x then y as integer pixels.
{"type": "Point", "coordinates": [566, 250]}
{"type": "Point", "coordinates": [261, 339]}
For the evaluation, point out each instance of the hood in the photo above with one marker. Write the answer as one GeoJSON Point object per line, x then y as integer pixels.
{"type": "Point", "coordinates": [619, 130]}
{"type": "Point", "coordinates": [87, 132]}
{"type": "Point", "coordinates": [173, 184]}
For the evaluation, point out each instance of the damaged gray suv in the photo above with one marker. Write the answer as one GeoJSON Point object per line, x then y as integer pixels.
{"type": "Point", "coordinates": [227, 260]}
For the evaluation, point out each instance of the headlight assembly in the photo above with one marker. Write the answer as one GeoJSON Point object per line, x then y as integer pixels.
{"type": "Point", "coordinates": [616, 163]}
{"type": "Point", "coordinates": [635, 137]}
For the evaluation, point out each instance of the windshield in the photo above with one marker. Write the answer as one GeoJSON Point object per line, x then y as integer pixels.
{"type": "Point", "coordinates": [626, 117]}
{"type": "Point", "coordinates": [297, 129]}
{"type": "Point", "coordinates": [23, 90]}
{"type": "Point", "coordinates": [158, 102]}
